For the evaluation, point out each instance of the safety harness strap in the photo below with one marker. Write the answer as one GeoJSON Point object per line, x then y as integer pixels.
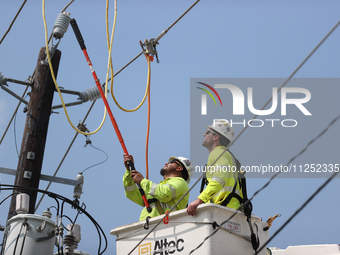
{"type": "Point", "coordinates": [247, 205]}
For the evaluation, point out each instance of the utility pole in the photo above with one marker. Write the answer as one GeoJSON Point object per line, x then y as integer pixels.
{"type": "Point", "coordinates": [34, 138]}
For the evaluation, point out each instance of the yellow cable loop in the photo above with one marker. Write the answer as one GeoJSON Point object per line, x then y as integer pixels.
{"type": "Point", "coordinates": [55, 82]}
{"type": "Point", "coordinates": [111, 67]}
{"type": "Point", "coordinates": [143, 100]}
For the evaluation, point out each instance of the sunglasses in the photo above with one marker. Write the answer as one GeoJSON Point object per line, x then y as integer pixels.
{"type": "Point", "coordinates": [209, 132]}
{"type": "Point", "coordinates": [175, 161]}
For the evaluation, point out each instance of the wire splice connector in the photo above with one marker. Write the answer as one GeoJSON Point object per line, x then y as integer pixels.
{"type": "Point", "coordinates": [150, 47]}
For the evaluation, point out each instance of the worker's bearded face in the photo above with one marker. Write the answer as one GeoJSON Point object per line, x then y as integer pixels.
{"type": "Point", "coordinates": [167, 169]}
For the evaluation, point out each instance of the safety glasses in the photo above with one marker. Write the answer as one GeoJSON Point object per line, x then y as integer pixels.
{"type": "Point", "coordinates": [175, 161]}
{"type": "Point", "coordinates": [209, 132]}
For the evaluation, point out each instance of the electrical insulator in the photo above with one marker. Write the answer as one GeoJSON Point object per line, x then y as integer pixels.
{"type": "Point", "coordinates": [78, 189]}
{"type": "Point", "coordinates": [69, 241]}
{"type": "Point", "coordinates": [61, 25]}
{"type": "Point", "coordinates": [47, 214]}
{"type": "Point", "coordinates": [90, 94]}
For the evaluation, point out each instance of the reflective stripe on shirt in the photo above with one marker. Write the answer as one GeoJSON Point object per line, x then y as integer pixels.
{"type": "Point", "coordinates": [153, 189]}
{"type": "Point", "coordinates": [173, 191]}
{"type": "Point", "coordinates": [130, 188]}
{"type": "Point", "coordinates": [220, 180]}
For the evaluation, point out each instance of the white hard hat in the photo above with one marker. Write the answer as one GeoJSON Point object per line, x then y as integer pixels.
{"type": "Point", "coordinates": [189, 167]}
{"type": "Point", "coordinates": [223, 127]}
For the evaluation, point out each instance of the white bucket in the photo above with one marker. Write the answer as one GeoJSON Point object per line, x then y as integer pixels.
{"type": "Point", "coordinates": [184, 233]}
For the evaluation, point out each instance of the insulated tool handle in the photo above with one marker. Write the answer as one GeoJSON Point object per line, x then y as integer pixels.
{"type": "Point", "coordinates": [114, 123]}
{"type": "Point", "coordinates": [131, 166]}
{"type": "Point", "coordinates": [77, 33]}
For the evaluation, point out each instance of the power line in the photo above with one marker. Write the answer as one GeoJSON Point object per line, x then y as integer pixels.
{"type": "Point", "coordinates": [10, 26]}
{"type": "Point", "coordinates": [96, 163]}
{"type": "Point", "coordinates": [159, 36]}
{"type": "Point", "coordinates": [67, 6]}
{"type": "Point", "coordinates": [14, 114]}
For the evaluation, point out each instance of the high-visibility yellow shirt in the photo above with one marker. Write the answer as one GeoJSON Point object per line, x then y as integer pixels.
{"type": "Point", "coordinates": [167, 192]}
{"type": "Point", "coordinates": [221, 177]}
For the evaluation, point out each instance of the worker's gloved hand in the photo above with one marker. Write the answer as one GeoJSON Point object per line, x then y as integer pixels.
{"type": "Point", "coordinates": [127, 158]}
{"type": "Point", "coordinates": [136, 176]}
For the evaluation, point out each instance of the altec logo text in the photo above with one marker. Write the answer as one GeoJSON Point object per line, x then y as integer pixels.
{"type": "Point", "coordinates": [238, 103]}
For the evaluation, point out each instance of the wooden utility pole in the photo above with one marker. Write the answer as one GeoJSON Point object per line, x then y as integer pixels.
{"type": "Point", "coordinates": [34, 138]}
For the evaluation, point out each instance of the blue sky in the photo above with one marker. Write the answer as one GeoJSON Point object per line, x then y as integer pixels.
{"type": "Point", "coordinates": [216, 39]}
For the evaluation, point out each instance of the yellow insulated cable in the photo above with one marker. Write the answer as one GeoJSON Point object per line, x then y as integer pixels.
{"type": "Point", "coordinates": [148, 124]}
{"type": "Point", "coordinates": [111, 67]}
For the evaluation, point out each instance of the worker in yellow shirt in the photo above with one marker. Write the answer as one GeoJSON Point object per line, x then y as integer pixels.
{"type": "Point", "coordinates": [164, 195]}
{"type": "Point", "coordinates": [221, 169]}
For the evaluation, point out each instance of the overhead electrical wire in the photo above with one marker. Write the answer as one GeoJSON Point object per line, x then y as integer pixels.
{"type": "Point", "coordinates": [15, 136]}
{"type": "Point", "coordinates": [64, 9]}
{"type": "Point", "coordinates": [14, 129]}
{"type": "Point", "coordinates": [14, 114]}
{"type": "Point", "coordinates": [10, 26]}
{"type": "Point", "coordinates": [159, 36]}
{"type": "Point", "coordinates": [12, 194]}
{"type": "Point", "coordinates": [96, 163]}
